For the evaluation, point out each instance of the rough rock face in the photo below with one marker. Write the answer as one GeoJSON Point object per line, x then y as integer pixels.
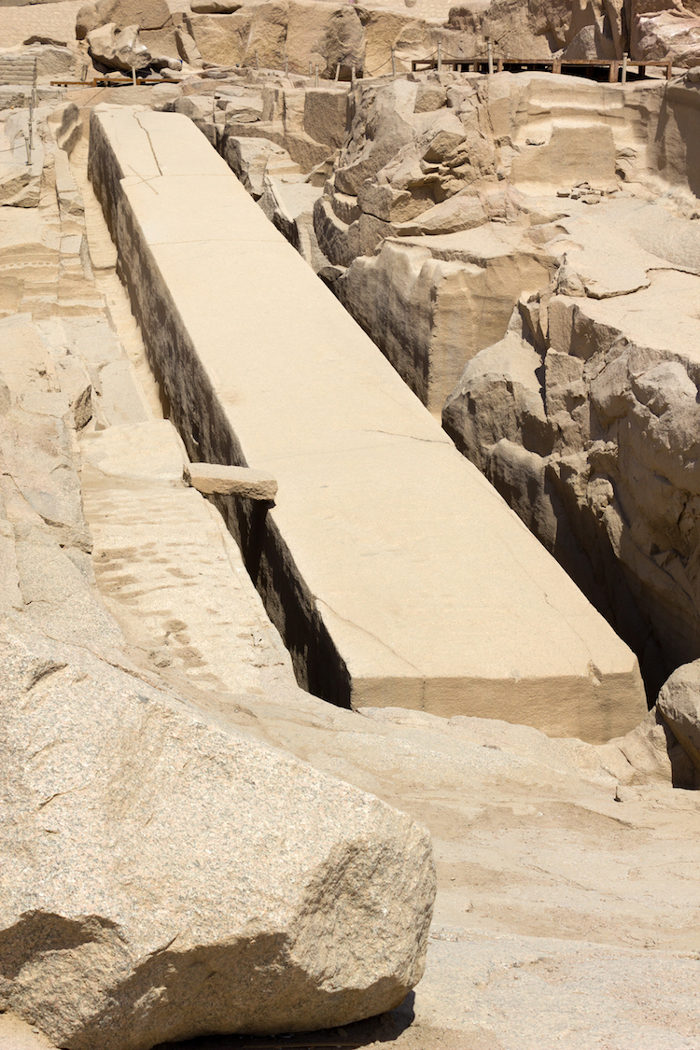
{"type": "Point", "coordinates": [147, 14]}
{"type": "Point", "coordinates": [423, 206]}
{"type": "Point", "coordinates": [251, 158]}
{"type": "Point", "coordinates": [588, 423]}
{"type": "Point", "coordinates": [661, 29]}
{"type": "Point", "coordinates": [441, 154]}
{"type": "Point", "coordinates": [299, 33]}
{"type": "Point", "coordinates": [452, 294]}
{"type": "Point", "coordinates": [538, 28]}
{"type": "Point", "coordinates": [343, 43]}
{"type": "Point", "coordinates": [162, 878]}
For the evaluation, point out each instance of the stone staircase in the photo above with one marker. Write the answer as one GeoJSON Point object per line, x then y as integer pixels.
{"type": "Point", "coordinates": [17, 69]}
{"type": "Point", "coordinates": [44, 268]}
{"type": "Point", "coordinates": [57, 267]}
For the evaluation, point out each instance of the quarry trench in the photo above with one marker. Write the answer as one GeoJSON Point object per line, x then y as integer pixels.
{"type": "Point", "coordinates": [548, 864]}
{"type": "Point", "coordinates": [265, 701]}
{"type": "Point", "coordinates": [326, 621]}
{"type": "Point", "coordinates": [380, 285]}
{"type": "Point", "coordinates": [602, 575]}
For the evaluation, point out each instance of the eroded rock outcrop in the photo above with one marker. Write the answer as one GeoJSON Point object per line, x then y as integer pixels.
{"type": "Point", "coordinates": [667, 29]}
{"type": "Point", "coordinates": [300, 35]}
{"type": "Point", "coordinates": [537, 29]}
{"type": "Point", "coordinates": [448, 294]}
{"type": "Point", "coordinates": [586, 417]}
{"type": "Point", "coordinates": [424, 206]}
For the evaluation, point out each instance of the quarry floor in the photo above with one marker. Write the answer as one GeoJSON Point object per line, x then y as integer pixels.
{"type": "Point", "coordinates": [569, 899]}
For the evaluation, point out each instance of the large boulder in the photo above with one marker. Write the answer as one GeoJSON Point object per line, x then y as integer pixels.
{"type": "Point", "coordinates": [162, 878]}
{"type": "Point", "coordinates": [679, 706]}
{"type": "Point", "coordinates": [255, 35]}
{"type": "Point", "coordinates": [669, 33]}
{"type": "Point", "coordinates": [127, 49]}
{"type": "Point", "coordinates": [119, 48]}
{"type": "Point", "coordinates": [158, 30]}
{"type": "Point", "coordinates": [306, 28]}
{"type": "Point", "coordinates": [343, 43]}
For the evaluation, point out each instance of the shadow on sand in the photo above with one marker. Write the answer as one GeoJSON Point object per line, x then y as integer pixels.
{"type": "Point", "coordinates": [382, 1029]}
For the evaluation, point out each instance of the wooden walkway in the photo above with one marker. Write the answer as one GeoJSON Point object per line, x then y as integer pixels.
{"type": "Point", "coordinates": [108, 81]}
{"type": "Point", "coordinates": [617, 68]}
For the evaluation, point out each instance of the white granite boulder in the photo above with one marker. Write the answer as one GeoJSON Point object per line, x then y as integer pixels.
{"type": "Point", "coordinates": [162, 878]}
{"type": "Point", "coordinates": [119, 48]}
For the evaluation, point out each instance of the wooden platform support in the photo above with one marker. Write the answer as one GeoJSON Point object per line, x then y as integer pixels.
{"type": "Point", "coordinates": [618, 69]}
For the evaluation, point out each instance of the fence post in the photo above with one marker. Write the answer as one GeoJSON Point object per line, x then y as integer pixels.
{"type": "Point", "coordinates": [32, 103]}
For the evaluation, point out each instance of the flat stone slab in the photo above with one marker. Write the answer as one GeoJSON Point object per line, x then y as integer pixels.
{"type": "Point", "coordinates": [394, 571]}
{"type": "Point", "coordinates": [231, 481]}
